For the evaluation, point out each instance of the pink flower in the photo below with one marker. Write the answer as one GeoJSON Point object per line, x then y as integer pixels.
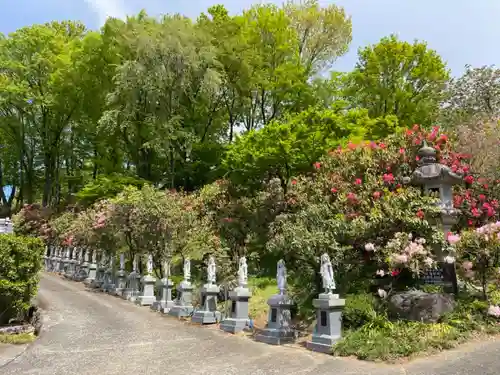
{"type": "Point", "coordinates": [377, 194]}
{"type": "Point", "coordinates": [358, 181]}
{"type": "Point", "coordinates": [317, 165]}
{"type": "Point", "coordinates": [294, 182]}
{"type": "Point", "coordinates": [468, 179]}
{"type": "Point", "coordinates": [467, 265]}
{"type": "Point", "coordinates": [494, 310]}
{"type": "Point", "coordinates": [420, 214]}
{"type": "Point", "coordinates": [453, 238]}
{"type": "Point", "coordinates": [388, 178]}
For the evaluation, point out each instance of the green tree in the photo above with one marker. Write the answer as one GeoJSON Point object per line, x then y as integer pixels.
{"type": "Point", "coordinates": [398, 78]}
{"type": "Point", "coordinates": [285, 148]}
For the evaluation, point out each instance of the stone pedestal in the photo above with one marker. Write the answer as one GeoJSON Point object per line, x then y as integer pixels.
{"type": "Point", "coordinates": [164, 301]}
{"type": "Point", "coordinates": [121, 282]}
{"type": "Point", "coordinates": [108, 284]}
{"type": "Point", "coordinates": [99, 278]}
{"type": "Point", "coordinates": [239, 311]}
{"type": "Point", "coordinates": [61, 265]}
{"type": "Point", "coordinates": [133, 283]}
{"type": "Point", "coordinates": [183, 306]}
{"type": "Point", "coordinates": [83, 271]}
{"type": "Point", "coordinates": [279, 322]}
{"type": "Point", "coordinates": [92, 274]}
{"type": "Point", "coordinates": [329, 323]}
{"type": "Point", "coordinates": [147, 295]}
{"type": "Point", "coordinates": [208, 313]}
{"type": "Point", "coordinates": [46, 262]}
{"type": "Point", "coordinates": [70, 269]}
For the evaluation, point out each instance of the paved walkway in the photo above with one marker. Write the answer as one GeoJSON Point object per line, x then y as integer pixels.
{"type": "Point", "coordinates": [90, 333]}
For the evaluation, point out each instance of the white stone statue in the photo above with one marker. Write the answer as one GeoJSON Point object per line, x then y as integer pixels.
{"type": "Point", "coordinates": [166, 269]}
{"type": "Point", "coordinates": [94, 256]}
{"type": "Point", "coordinates": [326, 272]}
{"type": "Point", "coordinates": [134, 264]}
{"type": "Point", "coordinates": [281, 276]}
{"type": "Point", "coordinates": [122, 261]}
{"type": "Point", "coordinates": [149, 265]}
{"type": "Point", "coordinates": [243, 272]}
{"type": "Point", "coordinates": [68, 255]}
{"type": "Point", "coordinates": [187, 269]}
{"type": "Point", "coordinates": [111, 262]}
{"type": "Point", "coordinates": [211, 271]}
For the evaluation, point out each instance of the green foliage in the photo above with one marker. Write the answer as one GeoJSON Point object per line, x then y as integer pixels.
{"type": "Point", "coordinates": [285, 148]}
{"type": "Point", "coordinates": [397, 340]}
{"type": "Point", "coordinates": [20, 263]}
{"type": "Point", "coordinates": [398, 78]}
{"type": "Point", "coordinates": [361, 309]}
{"type": "Point", "coordinates": [105, 186]}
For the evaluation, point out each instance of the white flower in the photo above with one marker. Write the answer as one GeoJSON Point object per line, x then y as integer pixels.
{"type": "Point", "coordinates": [494, 311]}
{"type": "Point", "coordinates": [382, 293]}
{"type": "Point", "coordinates": [449, 259]}
{"type": "Point", "coordinates": [428, 262]}
{"type": "Point", "coordinates": [370, 247]}
{"type": "Point", "coordinates": [420, 241]}
{"type": "Point", "coordinates": [380, 273]}
{"type": "Point", "coordinates": [410, 236]}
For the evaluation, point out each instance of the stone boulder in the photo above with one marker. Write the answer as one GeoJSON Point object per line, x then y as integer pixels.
{"type": "Point", "coordinates": [419, 306]}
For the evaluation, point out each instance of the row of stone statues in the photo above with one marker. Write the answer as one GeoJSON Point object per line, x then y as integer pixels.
{"type": "Point", "coordinates": [141, 290]}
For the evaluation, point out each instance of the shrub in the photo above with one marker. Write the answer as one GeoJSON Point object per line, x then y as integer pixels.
{"type": "Point", "coordinates": [361, 309]}
{"type": "Point", "coordinates": [20, 262]}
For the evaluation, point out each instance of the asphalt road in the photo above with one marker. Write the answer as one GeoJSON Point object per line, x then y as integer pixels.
{"type": "Point", "coordinates": [90, 333]}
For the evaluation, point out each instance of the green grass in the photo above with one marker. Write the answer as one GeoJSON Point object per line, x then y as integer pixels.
{"type": "Point", "coordinates": [18, 339]}
{"type": "Point", "coordinates": [262, 290]}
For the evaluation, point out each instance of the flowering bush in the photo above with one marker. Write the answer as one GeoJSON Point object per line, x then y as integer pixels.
{"type": "Point", "coordinates": [478, 255]}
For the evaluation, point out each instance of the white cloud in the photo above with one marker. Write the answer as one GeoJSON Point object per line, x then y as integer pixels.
{"type": "Point", "coordinates": [108, 8]}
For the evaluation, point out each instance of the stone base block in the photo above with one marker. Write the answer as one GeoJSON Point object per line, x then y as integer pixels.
{"type": "Point", "coordinates": [94, 284]}
{"type": "Point", "coordinates": [158, 305]}
{"type": "Point", "coordinates": [181, 311]}
{"type": "Point", "coordinates": [276, 336]}
{"type": "Point", "coordinates": [127, 293]}
{"type": "Point", "coordinates": [206, 317]}
{"type": "Point", "coordinates": [322, 343]}
{"type": "Point", "coordinates": [168, 307]}
{"type": "Point", "coordinates": [233, 325]}
{"type": "Point", "coordinates": [145, 300]}
{"type": "Point", "coordinates": [118, 292]}
{"type": "Point", "coordinates": [108, 288]}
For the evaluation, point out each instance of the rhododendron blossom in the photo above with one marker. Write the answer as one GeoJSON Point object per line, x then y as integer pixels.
{"type": "Point", "coordinates": [494, 311]}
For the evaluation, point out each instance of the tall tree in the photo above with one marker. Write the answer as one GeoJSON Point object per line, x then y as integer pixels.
{"type": "Point", "coordinates": [394, 77]}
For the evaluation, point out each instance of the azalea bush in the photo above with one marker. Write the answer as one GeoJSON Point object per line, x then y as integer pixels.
{"type": "Point", "coordinates": [478, 256]}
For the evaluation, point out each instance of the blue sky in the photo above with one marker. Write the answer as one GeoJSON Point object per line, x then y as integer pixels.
{"type": "Point", "coordinates": [462, 31]}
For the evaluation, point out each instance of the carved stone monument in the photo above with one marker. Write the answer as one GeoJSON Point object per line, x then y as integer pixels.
{"type": "Point", "coordinates": [329, 308]}
{"type": "Point", "coordinates": [108, 284]}
{"type": "Point", "coordinates": [279, 328]}
{"type": "Point", "coordinates": [208, 313]}
{"type": "Point", "coordinates": [146, 296]}
{"type": "Point", "coordinates": [121, 277]}
{"type": "Point", "coordinates": [101, 269]}
{"type": "Point", "coordinates": [239, 297]}
{"type": "Point", "coordinates": [164, 301]}
{"type": "Point", "coordinates": [183, 306]}
{"type": "Point", "coordinates": [92, 267]}
{"type": "Point", "coordinates": [133, 282]}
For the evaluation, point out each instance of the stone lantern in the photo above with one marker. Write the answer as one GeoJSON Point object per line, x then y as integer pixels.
{"type": "Point", "coordinates": [438, 180]}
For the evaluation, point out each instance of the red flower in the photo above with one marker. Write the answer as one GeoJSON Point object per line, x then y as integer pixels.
{"type": "Point", "coordinates": [469, 179]}
{"type": "Point", "coordinates": [465, 169]}
{"type": "Point", "coordinates": [482, 197]}
{"type": "Point", "coordinates": [485, 186]}
{"type": "Point", "coordinates": [377, 194]}
{"type": "Point", "coordinates": [358, 181]}
{"type": "Point", "coordinates": [475, 212]}
{"type": "Point", "coordinates": [420, 214]}
{"type": "Point", "coordinates": [443, 138]}
{"type": "Point", "coordinates": [417, 158]}
{"type": "Point", "coordinates": [401, 150]}
{"type": "Point", "coordinates": [333, 190]}
{"type": "Point", "coordinates": [471, 223]}
{"type": "Point", "coordinates": [388, 178]}
{"type": "Point", "coordinates": [294, 182]}
{"type": "Point", "coordinates": [317, 165]}
{"type": "Point", "coordinates": [352, 197]}
{"type": "Point", "coordinates": [382, 145]}
{"type": "Point", "coordinates": [394, 273]}
{"type": "Point", "coordinates": [351, 146]}
{"type": "Point", "coordinates": [415, 127]}
{"type": "Point", "coordinates": [409, 132]}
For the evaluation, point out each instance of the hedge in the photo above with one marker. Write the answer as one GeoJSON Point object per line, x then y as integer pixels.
{"type": "Point", "coordinates": [20, 264]}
